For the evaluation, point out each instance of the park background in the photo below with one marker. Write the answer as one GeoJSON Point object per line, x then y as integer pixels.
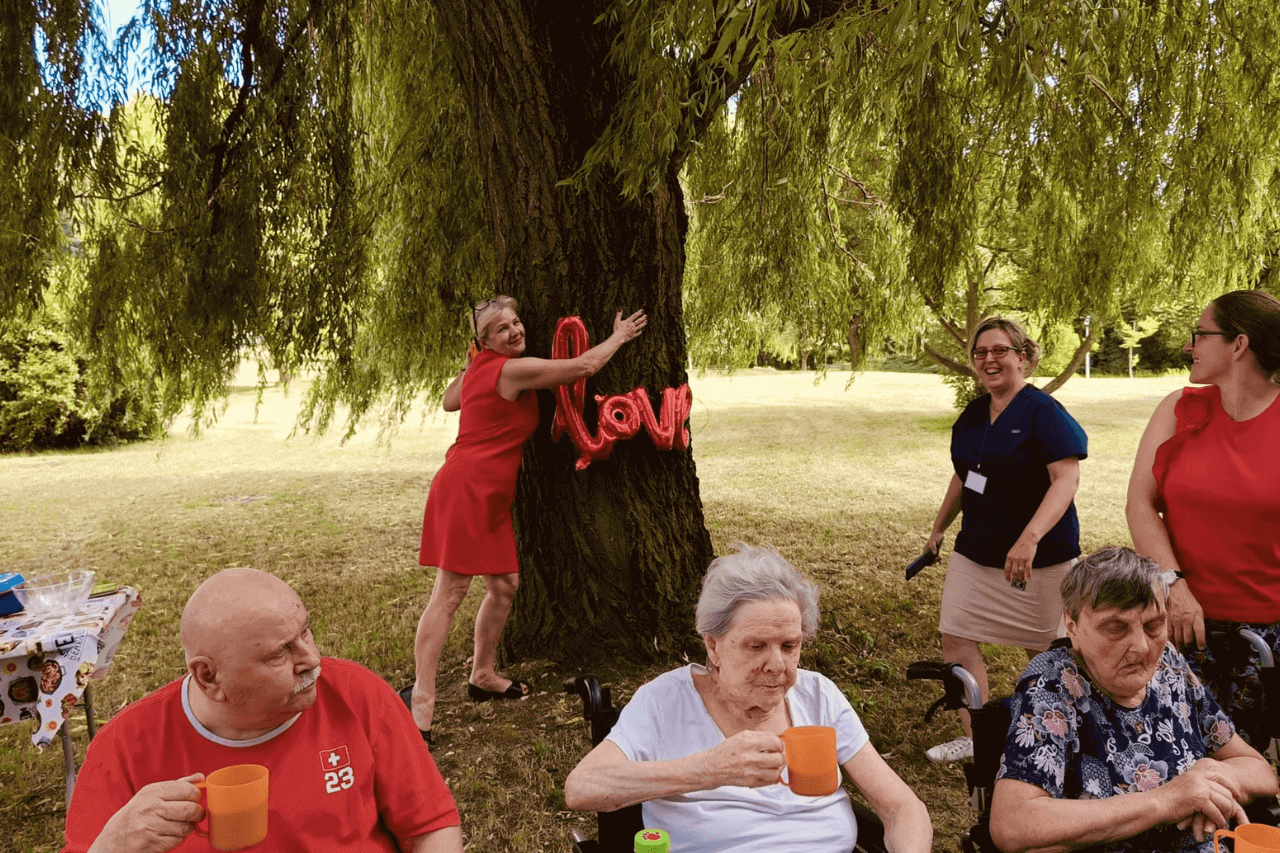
{"type": "Point", "coordinates": [842, 477]}
{"type": "Point", "coordinates": [326, 188]}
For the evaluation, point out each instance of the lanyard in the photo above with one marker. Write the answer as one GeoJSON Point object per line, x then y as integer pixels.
{"type": "Point", "coordinates": [982, 448]}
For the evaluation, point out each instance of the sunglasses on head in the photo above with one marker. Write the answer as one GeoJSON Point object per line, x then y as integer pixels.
{"type": "Point", "coordinates": [476, 310]}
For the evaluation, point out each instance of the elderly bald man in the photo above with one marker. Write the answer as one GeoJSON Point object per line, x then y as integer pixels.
{"type": "Point", "coordinates": [348, 768]}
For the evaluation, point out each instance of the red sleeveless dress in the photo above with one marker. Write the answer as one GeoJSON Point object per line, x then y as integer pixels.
{"type": "Point", "coordinates": [466, 528]}
{"type": "Point", "coordinates": [1218, 485]}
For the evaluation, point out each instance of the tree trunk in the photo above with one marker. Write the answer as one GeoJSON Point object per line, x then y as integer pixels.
{"type": "Point", "coordinates": [854, 336]}
{"type": "Point", "coordinates": [1086, 344]}
{"type": "Point", "coordinates": [610, 557]}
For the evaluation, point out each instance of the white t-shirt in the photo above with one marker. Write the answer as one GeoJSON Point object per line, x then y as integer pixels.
{"type": "Point", "coordinates": [666, 719]}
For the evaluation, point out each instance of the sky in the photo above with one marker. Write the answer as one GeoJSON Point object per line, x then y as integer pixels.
{"type": "Point", "coordinates": [115, 14]}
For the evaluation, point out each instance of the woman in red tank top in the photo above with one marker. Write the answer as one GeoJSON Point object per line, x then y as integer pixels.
{"type": "Point", "coordinates": [466, 527]}
{"type": "Point", "coordinates": [1204, 495]}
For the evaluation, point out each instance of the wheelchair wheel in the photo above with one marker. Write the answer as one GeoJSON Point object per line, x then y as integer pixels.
{"type": "Point", "coordinates": [870, 830]}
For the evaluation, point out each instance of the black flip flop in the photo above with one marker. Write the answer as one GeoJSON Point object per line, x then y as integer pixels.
{"type": "Point", "coordinates": [516, 690]}
{"type": "Point", "coordinates": [406, 695]}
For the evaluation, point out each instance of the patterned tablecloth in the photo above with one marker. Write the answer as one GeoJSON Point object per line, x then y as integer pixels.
{"type": "Point", "coordinates": [46, 663]}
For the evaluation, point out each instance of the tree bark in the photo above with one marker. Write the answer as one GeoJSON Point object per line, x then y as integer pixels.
{"type": "Point", "coordinates": [1077, 359]}
{"type": "Point", "coordinates": [611, 557]}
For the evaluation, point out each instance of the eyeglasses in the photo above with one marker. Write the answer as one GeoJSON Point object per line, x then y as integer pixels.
{"type": "Point", "coordinates": [999, 351]}
{"type": "Point", "coordinates": [1197, 333]}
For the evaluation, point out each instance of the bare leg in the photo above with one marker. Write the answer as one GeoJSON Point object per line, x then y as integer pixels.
{"type": "Point", "coordinates": [433, 629]}
{"type": "Point", "coordinates": [491, 618]}
{"type": "Point", "coordinates": [968, 655]}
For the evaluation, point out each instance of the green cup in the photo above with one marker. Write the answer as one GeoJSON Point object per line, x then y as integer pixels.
{"type": "Point", "coordinates": [652, 841]}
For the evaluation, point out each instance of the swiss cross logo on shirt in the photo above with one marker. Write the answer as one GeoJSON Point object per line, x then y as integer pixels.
{"type": "Point", "coordinates": [339, 776]}
{"type": "Point", "coordinates": [335, 758]}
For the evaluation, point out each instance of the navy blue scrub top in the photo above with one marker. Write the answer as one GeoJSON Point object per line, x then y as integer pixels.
{"type": "Point", "coordinates": [1013, 454]}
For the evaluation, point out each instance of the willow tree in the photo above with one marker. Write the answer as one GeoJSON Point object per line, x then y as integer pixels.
{"type": "Point", "coordinates": [1123, 157]}
{"type": "Point", "coordinates": [336, 181]}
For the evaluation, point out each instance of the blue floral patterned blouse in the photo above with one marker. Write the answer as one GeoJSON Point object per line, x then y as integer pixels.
{"type": "Point", "coordinates": [1072, 740]}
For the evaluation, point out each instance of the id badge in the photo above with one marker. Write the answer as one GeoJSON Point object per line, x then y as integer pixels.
{"type": "Point", "coordinates": [976, 482]}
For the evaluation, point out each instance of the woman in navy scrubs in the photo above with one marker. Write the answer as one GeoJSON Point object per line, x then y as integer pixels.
{"type": "Point", "coordinates": [1016, 453]}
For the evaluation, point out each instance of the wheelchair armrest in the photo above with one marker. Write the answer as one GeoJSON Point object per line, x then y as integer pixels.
{"type": "Point", "coordinates": [597, 704]}
{"type": "Point", "coordinates": [595, 697]}
{"type": "Point", "coordinates": [1259, 647]}
{"type": "Point", "coordinates": [960, 688]}
{"type": "Point", "coordinates": [931, 670]}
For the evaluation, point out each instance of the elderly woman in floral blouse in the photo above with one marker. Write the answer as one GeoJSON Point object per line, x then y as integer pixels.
{"type": "Point", "coordinates": [1114, 742]}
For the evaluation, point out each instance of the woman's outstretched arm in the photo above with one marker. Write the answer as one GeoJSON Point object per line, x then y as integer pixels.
{"type": "Point", "coordinates": [524, 374]}
{"type": "Point", "coordinates": [607, 780]}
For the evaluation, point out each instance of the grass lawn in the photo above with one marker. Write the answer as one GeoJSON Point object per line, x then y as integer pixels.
{"type": "Point", "coordinates": [843, 479]}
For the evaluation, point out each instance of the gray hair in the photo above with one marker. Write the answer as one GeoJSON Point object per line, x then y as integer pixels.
{"type": "Point", "coordinates": [1114, 577]}
{"type": "Point", "coordinates": [753, 574]}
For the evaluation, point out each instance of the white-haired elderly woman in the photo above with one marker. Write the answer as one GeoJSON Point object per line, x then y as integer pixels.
{"type": "Point", "coordinates": [699, 746]}
{"type": "Point", "coordinates": [466, 527]}
{"type": "Point", "coordinates": [1115, 742]}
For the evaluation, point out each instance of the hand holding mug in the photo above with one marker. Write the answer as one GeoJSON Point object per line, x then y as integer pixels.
{"type": "Point", "coordinates": [812, 767]}
{"type": "Point", "coordinates": [237, 809]}
{"type": "Point", "coordinates": [749, 759]}
{"type": "Point", "coordinates": [156, 819]}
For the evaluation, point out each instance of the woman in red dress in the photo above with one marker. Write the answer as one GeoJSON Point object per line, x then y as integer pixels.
{"type": "Point", "coordinates": [466, 529]}
{"type": "Point", "coordinates": [1204, 497]}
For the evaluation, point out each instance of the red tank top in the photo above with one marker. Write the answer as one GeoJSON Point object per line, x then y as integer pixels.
{"type": "Point", "coordinates": [1218, 486]}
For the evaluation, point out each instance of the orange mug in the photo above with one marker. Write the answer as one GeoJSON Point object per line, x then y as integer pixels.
{"type": "Point", "coordinates": [235, 806]}
{"type": "Point", "coordinates": [812, 769]}
{"type": "Point", "coordinates": [1251, 838]}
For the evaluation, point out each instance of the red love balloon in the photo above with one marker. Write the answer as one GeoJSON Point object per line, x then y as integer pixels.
{"type": "Point", "coordinates": [619, 415]}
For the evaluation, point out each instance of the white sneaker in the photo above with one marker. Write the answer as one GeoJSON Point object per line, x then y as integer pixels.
{"type": "Point", "coordinates": [960, 749]}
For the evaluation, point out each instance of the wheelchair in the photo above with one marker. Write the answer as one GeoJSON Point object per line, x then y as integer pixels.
{"type": "Point", "coordinates": [991, 722]}
{"type": "Point", "coordinates": [616, 830]}
{"type": "Point", "coordinates": [1243, 648]}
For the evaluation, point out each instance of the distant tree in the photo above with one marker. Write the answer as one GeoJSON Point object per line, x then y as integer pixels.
{"type": "Point", "coordinates": [338, 180]}
{"type": "Point", "coordinates": [1123, 167]}
{"type": "Point", "coordinates": [47, 403]}
{"type": "Point", "coordinates": [1163, 349]}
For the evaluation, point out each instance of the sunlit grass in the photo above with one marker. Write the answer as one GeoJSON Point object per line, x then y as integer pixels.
{"type": "Point", "coordinates": [843, 479]}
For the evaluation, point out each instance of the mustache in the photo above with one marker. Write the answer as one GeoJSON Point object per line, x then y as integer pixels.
{"type": "Point", "coordinates": [308, 678]}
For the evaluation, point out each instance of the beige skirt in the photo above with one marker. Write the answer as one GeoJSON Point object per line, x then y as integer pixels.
{"type": "Point", "coordinates": [979, 604]}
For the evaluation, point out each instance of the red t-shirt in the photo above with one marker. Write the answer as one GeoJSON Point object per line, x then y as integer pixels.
{"type": "Point", "coordinates": [1218, 485]}
{"type": "Point", "coordinates": [349, 773]}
